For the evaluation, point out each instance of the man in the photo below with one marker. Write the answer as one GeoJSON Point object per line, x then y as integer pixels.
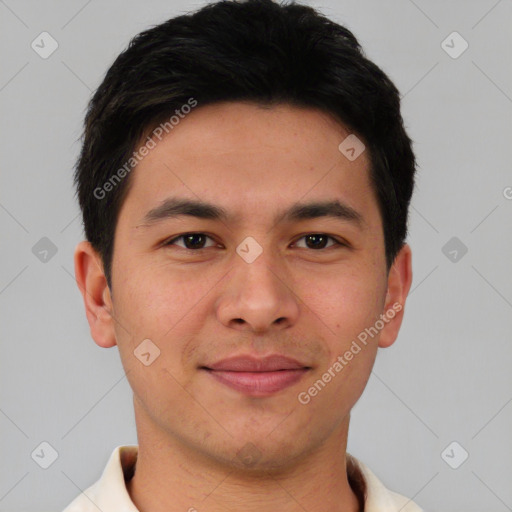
{"type": "Point", "coordinates": [244, 180]}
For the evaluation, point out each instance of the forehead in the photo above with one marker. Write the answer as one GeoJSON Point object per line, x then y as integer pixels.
{"type": "Point", "coordinates": [247, 158]}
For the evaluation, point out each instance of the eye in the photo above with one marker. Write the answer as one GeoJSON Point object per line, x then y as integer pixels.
{"type": "Point", "coordinates": [318, 240]}
{"type": "Point", "coordinates": [191, 240]}
{"type": "Point", "coordinates": [195, 241]}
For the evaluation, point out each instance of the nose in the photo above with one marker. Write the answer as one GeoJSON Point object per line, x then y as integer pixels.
{"type": "Point", "coordinates": [257, 297]}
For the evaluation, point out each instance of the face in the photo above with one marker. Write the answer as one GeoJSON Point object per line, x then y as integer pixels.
{"type": "Point", "coordinates": [255, 281]}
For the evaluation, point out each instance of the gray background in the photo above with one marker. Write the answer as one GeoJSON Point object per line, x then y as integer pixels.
{"type": "Point", "coordinates": [447, 378]}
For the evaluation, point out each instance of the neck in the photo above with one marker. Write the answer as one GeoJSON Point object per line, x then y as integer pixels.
{"type": "Point", "coordinates": [172, 476]}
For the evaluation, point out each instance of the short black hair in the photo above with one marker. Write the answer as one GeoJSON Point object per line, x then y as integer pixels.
{"type": "Point", "coordinates": [257, 51]}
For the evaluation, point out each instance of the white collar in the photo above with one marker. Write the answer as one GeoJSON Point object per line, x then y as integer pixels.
{"type": "Point", "coordinates": [109, 493]}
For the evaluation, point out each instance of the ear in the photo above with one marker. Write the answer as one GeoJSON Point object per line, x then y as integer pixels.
{"type": "Point", "coordinates": [92, 283]}
{"type": "Point", "coordinates": [399, 283]}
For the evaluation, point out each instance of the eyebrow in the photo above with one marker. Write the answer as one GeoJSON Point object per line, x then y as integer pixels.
{"type": "Point", "coordinates": [177, 207]}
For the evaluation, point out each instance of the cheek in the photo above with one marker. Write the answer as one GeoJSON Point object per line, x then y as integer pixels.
{"type": "Point", "coordinates": [157, 305]}
{"type": "Point", "coordinates": [345, 310]}
{"type": "Point", "coordinates": [345, 307]}
{"type": "Point", "coordinates": [163, 304]}
{"type": "Point", "coordinates": [154, 296]}
{"type": "Point", "coordinates": [345, 303]}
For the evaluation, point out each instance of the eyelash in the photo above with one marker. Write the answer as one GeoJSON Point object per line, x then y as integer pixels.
{"type": "Point", "coordinates": [170, 242]}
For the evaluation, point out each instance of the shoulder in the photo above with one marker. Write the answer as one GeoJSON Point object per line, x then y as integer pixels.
{"type": "Point", "coordinates": [109, 492]}
{"type": "Point", "coordinates": [85, 502]}
{"type": "Point", "coordinates": [378, 498]}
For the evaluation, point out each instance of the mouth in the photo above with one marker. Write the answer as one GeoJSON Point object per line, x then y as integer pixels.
{"type": "Point", "coordinates": [257, 376]}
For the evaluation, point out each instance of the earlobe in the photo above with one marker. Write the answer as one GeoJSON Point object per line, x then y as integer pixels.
{"type": "Point", "coordinates": [399, 284]}
{"type": "Point", "coordinates": [92, 283]}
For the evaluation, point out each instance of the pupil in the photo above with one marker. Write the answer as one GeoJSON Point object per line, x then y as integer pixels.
{"type": "Point", "coordinates": [189, 240]}
{"type": "Point", "coordinates": [191, 237]}
{"type": "Point", "coordinates": [309, 237]}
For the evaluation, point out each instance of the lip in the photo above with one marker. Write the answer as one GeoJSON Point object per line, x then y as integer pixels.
{"type": "Point", "coordinates": [246, 363]}
{"type": "Point", "coordinates": [257, 376]}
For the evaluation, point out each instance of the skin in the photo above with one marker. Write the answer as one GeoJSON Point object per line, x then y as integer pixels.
{"type": "Point", "coordinates": [199, 307]}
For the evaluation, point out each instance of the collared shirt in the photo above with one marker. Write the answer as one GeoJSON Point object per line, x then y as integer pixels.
{"type": "Point", "coordinates": [109, 493]}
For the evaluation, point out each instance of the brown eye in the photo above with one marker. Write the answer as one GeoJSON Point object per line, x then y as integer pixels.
{"type": "Point", "coordinates": [192, 241]}
{"type": "Point", "coordinates": [318, 241]}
